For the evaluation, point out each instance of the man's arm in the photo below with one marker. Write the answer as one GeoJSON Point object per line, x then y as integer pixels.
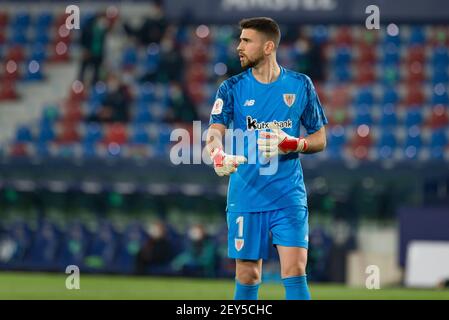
{"type": "Point", "coordinates": [224, 164]}
{"type": "Point", "coordinates": [215, 135]}
{"type": "Point", "coordinates": [316, 141]}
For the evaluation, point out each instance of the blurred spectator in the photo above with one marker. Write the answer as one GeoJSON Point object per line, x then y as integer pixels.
{"type": "Point", "coordinates": [310, 57]}
{"type": "Point", "coordinates": [151, 29]}
{"type": "Point", "coordinates": [182, 108]}
{"type": "Point", "coordinates": [199, 258]}
{"type": "Point", "coordinates": [157, 251]}
{"type": "Point", "coordinates": [92, 42]}
{"type": "Point", "coordinates": [115, 104]}
{"type": "Point", "coordinates": [171, 62]}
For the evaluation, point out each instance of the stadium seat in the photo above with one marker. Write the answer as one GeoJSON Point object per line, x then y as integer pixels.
{"type": "Point", "coordinates": [116, 133]}
{"type": "Point", "coordinates": [388, 118]}
{"type": "Point", "coordinates": [8, 90]}
{"type": "Point", "coordinates": [440, 76]}
{"type": "Point", "coordinates": [343, 56]}
{"type": "Point", "coordinates": [364, 97]}
{"type": "Point", "coordinates": [23, 134]}
{"type": "Point", "coordinates": [440, 58]}
{"type": "Point", "coordinates": [386, 144]}
{"type": "Point", "coordinates": [43, 21]}
{"type": "Point", "coordinates": [140, 135]}
{"type": "Point", "coordinates": [413, 117]}
{"type": "Point", "coordinates": [438, 144]}
{"type": "Point", "coordinates": [417, 36]}
{"type": "Point", "coordinates": [414, 96]}
{"type": "Point", "coordinates": [439, 117]}
{"type": "Point", "coordinates": [439, 95]}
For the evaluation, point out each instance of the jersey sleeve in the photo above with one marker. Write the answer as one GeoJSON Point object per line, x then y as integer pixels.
{"type": "Point", "coordinates": [313, 117]}
{"type": "Point", "coordinates": [223, 109]}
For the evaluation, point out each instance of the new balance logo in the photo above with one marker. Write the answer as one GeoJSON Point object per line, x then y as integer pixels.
{"type": "Point", "coordinates": [249, 103]}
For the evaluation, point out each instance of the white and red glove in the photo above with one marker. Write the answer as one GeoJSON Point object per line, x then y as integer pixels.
{"type": "Point", "coordinates": [225, 164]}
{"type": "Point", "coordinates": [278, 142]}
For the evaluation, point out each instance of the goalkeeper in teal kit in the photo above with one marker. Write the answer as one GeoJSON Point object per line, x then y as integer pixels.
{"type": "Point", "coordinates": [266, 208]}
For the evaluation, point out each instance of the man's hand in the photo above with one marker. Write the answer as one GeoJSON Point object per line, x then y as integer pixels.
{"type": "Point", "coordinates": [278, 142]}
{"type": "Point", "coordinates": [225, 164]}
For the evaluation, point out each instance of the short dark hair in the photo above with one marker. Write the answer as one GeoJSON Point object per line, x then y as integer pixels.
{"type": "Point", "coordinates": [265, 25]}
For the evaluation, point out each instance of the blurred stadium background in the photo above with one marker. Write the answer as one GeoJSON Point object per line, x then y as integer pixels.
{"type": "Point", "coordinates": [85, 175]}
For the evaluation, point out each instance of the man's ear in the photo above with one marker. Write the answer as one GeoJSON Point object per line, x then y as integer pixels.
{"type": "Point", "coordinates": [269, 47]}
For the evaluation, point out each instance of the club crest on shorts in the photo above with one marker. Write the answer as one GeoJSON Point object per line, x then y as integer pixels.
{"type": "Point", "coordinates": [239, 244]}
{"type": "Point", "coordinates": [289, 99]}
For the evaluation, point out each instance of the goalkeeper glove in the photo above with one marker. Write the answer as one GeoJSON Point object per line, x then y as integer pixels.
{"type": "Point", "coordinates": [225, 164]}
{"type": "Point", "coordinates": [279, 142]}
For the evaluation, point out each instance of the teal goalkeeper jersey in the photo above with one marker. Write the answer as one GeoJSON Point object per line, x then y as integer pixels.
{"type": "Point", "coordinates": [246, 106]}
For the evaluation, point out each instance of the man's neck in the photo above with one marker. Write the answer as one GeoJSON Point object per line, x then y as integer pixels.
{"type": "Point", "coordinates": [267, 72]}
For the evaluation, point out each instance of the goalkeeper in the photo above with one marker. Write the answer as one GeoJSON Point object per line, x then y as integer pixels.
{"type": "Point", "coordinates": [266, 209]}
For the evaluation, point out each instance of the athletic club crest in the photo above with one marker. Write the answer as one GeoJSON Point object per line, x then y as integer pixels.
{"type": "Point", "coordinates": [239, 244]}
{"type": "Point", "coordinates": [289, 99]}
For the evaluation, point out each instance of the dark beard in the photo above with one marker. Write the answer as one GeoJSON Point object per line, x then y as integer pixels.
{"type": "Point", "coordinates": [253, 63]}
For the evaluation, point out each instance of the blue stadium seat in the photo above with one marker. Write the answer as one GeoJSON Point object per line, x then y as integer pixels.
{"type": "Point", "coordinates": [38, 52]}
{"type": "Point", "coordinates": [388, 117]}
{"type": "Point", "coordinates": [391, 55]}
{"type": "Point", "coordinates": [439, 96]}
{"type": "Point", "coordinates": [413, 117]}
{"type": "Point", "coordinates": [438, 143]}
{"type": "Point", "coordinates": [386, 144]}
{"type": "Point", "coordinates": [45, 247]}
{"type": "Point", "coordinates": [46, 131]}
{"type": "Point", "coordinates": [43, 20]}
{"type": "Point", "coordinates": [129, 57]}
{"type": "Point", "coordinates": [94, 133]}
{"type": "Point", "coordinates": [21, 20]}
{"type": "Point", "coordinates": [131, 242]}
{"type": "Point", "coordinates": [390, 96]}
{"type": "Point", "coordinates": [146, 94]}
{"type": "Point", "coordinates": [342, 73]}
{"type": "Point", "coordinates": [343, 56]}
{"type": "Point", "coordinates": [364, 97]}
{"type": "Point", "coordinates": [102, 251]}
{"type": "Point", "coordinates": [140, 135]}
{"type": "Point", "coordinates": [440, 58]}
{"type": "Point", "coordinates": [363, 116]}
{"type": "Point", "coordinates": [74, 245]}
{"type": "Point", "coordinates": [142, 116]}
{"type": "Point", "coordinates": [413, 143]}
{"type": "Point", "coordinates": [440, 75]}
{"type": "Point", "coordinates": [336, 141]}
{"type": "Point", "coordinates": [417, 36]}
{"type": "Point", "coordinates": [42, 38]}
{"type": "Point", "coordinates": [21, 235]}
{"type": "Point", "coordinates": [33, 71]}
{"type": "Point", "coordinates": [23, 134]}
{"type": "Point", "coordinates": [18, 37]}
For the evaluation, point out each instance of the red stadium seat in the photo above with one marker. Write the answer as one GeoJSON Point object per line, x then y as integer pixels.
{"type": "Point", "coordinates": [415, 73]}
{"type": "Point", "coordinates": [339, 97]}
{"type": "Point", "coordinates": [416, 54]}
{"type": "Point", "coordinates": [343, 36]}
{"type": "Point", "coordinates": [439, 117]}
{"type": "Point", "coordinates": [3, 19]}
{"type": "Point", "coordinates": [367, 54]}
{"type": "Point", "coordinates": [414, 96]}
{"type": "Point", "coordinates": [73, 114]}
{"type": "Point", "coordinates": [69, 133]}
{"type": "Point", "coordinates": [116, 133]}
{"type": "Point", "coordinates": [8, 90]}
{"type": "Point", "coordinates": [361, 143]}
{"type": "Point", "coordinates": [15, 53]}
{"type": "Point", "coordinates": [365, 73]}
{"type": "Point", "coordinates": [2, 36]}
